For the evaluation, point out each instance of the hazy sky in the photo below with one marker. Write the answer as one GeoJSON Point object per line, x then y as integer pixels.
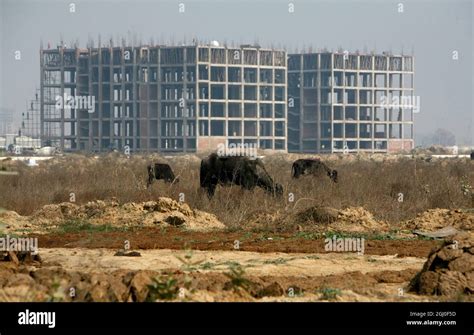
{"type": "Point", "coordinates": [432, 30]}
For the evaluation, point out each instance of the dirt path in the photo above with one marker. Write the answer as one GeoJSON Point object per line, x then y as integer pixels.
{"type": "Point", "coordinates": [258, 264]}
{"type": "Point", "coordinates": [174, 238]}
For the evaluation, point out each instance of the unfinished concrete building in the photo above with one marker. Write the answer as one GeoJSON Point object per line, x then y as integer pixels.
{"type": "Point", "coordinates": [30, 118]}
{"type": "Point", "coordinates": [162, 98]}
{"type": "Point", "coordinates": [348, 102]}
{"type": "Point", "coordinates": [6, 121]}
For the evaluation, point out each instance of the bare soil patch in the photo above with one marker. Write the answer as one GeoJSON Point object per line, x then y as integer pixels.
{"type": "Point", "coordinates": [98, 275]}
{"type": "Point", "coordinates": [173, 238]}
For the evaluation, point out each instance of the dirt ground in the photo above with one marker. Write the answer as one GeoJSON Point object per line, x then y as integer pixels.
{"type": "Point", "coordinates": [172, 263]}
{"type": "Point", "coordinates": [177, 239]}
{"type": "Point", "coordinates": [303, 272]}
{"type": "Point", "coordinates": [165, 250]}
{"type": "Point", "coordinates": [271, 276]}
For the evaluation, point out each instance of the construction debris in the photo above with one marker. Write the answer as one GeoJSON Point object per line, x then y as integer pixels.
{"type": "Point", "coordinates": [441, 233]}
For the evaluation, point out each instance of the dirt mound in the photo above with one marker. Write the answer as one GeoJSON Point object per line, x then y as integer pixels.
{"type": "Point", "coordinates": [164, 212]}
{"type": "Point", "coordinates": [12, 221]}
{"type": "Point", "coordinates": [351, 219]}
{"type": "Point", "coordinates": [56, 213]}
{"type": "Point", "coordinates": [312, 217]}
{"type": "Point", "coordinates": [449, 270]}
{"type": "Point", "coordinates": [358, 219]}
{"type": "Point", "coordinates": [434, 219]}
{"type": "Point", "coordinates": [324, 215]}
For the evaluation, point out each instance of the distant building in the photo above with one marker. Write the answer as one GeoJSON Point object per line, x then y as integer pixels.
{"type": "Point", "coordinates": [198, 97]}
{"type": "Point", "coordinates": [26, 142]}
{"type": "Point", "coordinates": [9, 140]}
{"type": "Point", "coordinates": [6, 121]}
{"type": "Point", "coordinates": [346, 102]}
{"type": "Point", "coordinates": [161, 98]}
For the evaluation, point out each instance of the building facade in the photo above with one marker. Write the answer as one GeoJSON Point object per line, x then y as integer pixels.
{"type": "Point", "coordinates": [197, 97]}
{"type": "Point", "coordinates": [161, 98]}
{"type": "Point", "coordinates": [348, 102]}
{"type": "Point", "coordinates": [6, 122]}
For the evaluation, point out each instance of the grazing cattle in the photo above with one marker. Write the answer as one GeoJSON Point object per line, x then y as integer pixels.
{"type": "Point", "coordinates": [472, 155]}
{"type": "Point", "coordinates": [242, 171]}
{"type": "Point", "coordinates": [161, 171]}
{"type": "Point", "coordinates": [312, 166]}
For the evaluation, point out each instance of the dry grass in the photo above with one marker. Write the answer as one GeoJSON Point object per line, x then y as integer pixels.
{"type": "Point", "coordinates": [374, 185]}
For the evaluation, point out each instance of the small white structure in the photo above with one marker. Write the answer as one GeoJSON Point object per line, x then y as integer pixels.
{"type": "Point", "coordinates": [455, 149]}
{"type": "Point", "coordinates": [31, 162]}
{"type": "Point", "coordinates": [27, 142]}
{"type": "Point", "coordinates": [45, 151]}
{"type": "Point", "coordinates": [10, 139]}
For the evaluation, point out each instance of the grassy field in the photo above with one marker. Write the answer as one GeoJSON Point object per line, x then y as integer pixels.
{"type": "Point", "coordinates": [374, 185]}
{"type": "Point", "coordinates": [282, 259]}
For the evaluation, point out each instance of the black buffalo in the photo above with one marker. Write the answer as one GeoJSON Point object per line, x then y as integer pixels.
{"type": "Point", "coordinates": [243, 171]}
{"type": "Point", "coordinates": [312, 166]}
{"type": "Point", "coordinates": [472, 155]}
{"type": "Point", "coordinates": [161, 171]}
